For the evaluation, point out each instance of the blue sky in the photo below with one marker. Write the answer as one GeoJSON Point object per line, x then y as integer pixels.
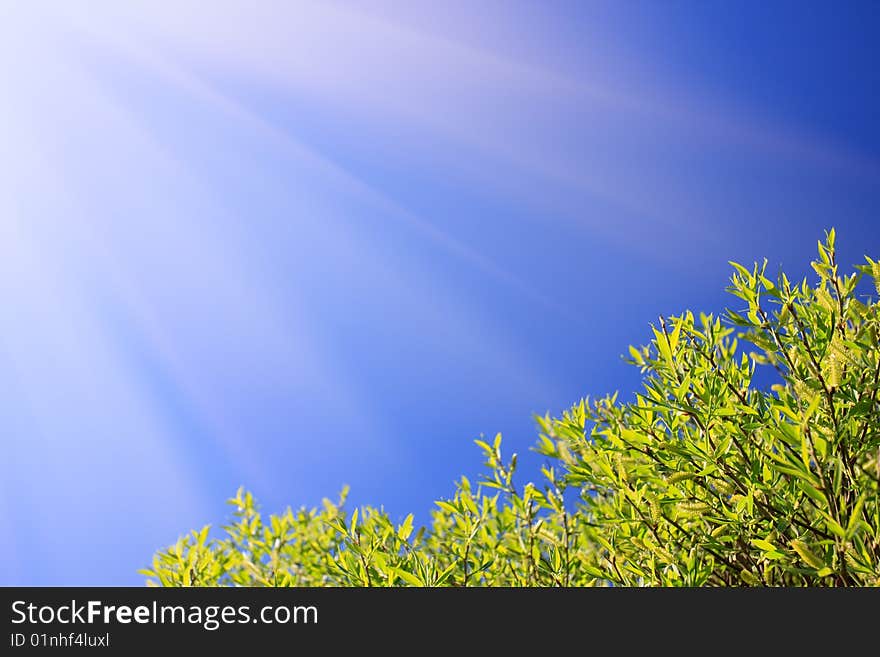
{"type": "Point", "coordinates": [298, 245]}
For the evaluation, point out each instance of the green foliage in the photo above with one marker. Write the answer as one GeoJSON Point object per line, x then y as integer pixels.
{"type": "Point", "coordinates": [703, 479]}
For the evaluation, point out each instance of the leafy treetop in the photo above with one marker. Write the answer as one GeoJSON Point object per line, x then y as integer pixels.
{"type": "Point", "coordinates": [705, 478]}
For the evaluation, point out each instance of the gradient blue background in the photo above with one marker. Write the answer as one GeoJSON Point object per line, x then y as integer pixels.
{"type": "Point", "coordinates": [300, 244]}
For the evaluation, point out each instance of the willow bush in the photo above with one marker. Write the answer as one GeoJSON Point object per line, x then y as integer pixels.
{"type": "Point", "coordinates": [704, 478]}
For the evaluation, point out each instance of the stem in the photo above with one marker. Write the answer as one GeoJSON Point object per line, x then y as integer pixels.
{"type": "Point", "coordinates": [828, 392]}
{"type": "Point", "coordinates": [363, 558]}
{"type": "Point", "coordinates": [567, 538]}
{"type": "Point", "coordinates": [531, 568]}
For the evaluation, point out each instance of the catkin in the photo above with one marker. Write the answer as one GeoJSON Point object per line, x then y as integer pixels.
{"type": "Point", "coordinates": [693, 508]}
{"type": "Point", "coordinates": [680, 476]}
{"type": "Point", "coordinates": [659, 551]}
{"type": "Point", "coordinates": [803, 391]}
{"type": "Point", "coordinates": [656, 511]}
{"type": "Point", "coordinates": [835, 370]}
{"type": "Point", "coordinates": [836, 359]}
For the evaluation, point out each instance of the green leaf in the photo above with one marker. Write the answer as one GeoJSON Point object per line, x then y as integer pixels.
{"type": "Point", "coordinates": [761, 544]}
{"type": "Point", "coordinates": [807, 555]}
{"type": "Point", "coordinates": [446, 506]}
{"type": "Point", "coordinates": [745, 273]}
{"type": "Point", "coordinates": [636, 355]}
{"type": "Point", "coordinates": [663, 347]}
{"type": "Point", "coordinates": [833, 525]}
{"type": "Point", "coordinates": [406, 528]}
{"type": "Point", "coordinates": [442, 577]}
{"type": "Point", "coordinates": [855, 518]}
{"type": "Point", "coordinates": [814, 493]}
{"type": "Point", "coordinates": [814, 404]}
{"type": "Point", "coordinates": [633, 436]}
{"type": "Point", "coordinates": [409, 578]}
